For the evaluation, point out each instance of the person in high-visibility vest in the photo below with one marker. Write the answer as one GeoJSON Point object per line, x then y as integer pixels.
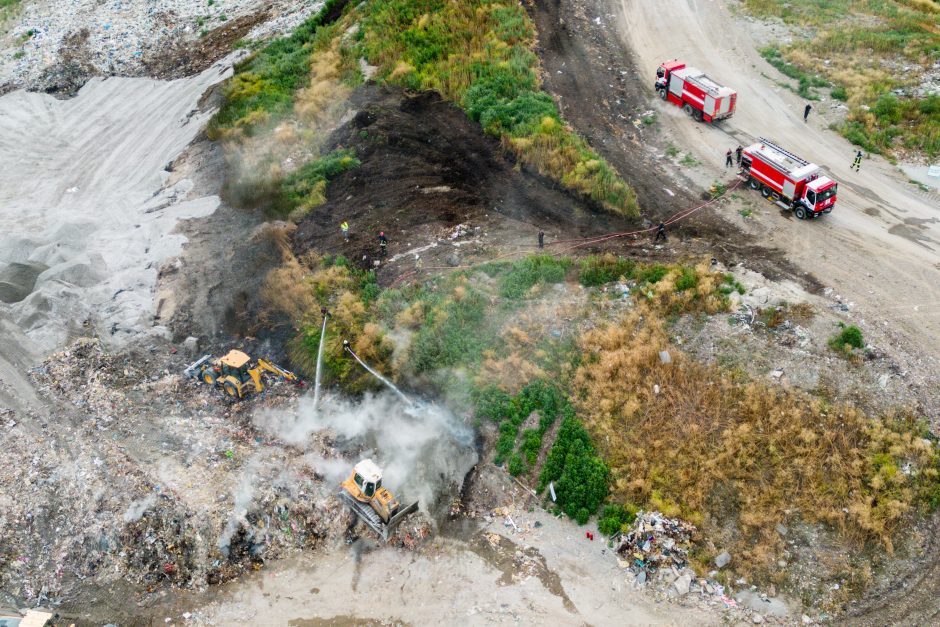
{"type": "Point", "coordinates": [858, 161]}
{"type": "Point", "coordinates": [344, 227]}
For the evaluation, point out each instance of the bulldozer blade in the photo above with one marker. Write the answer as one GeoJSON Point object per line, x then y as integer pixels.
{"type": "Point", "coordinates": [372, 520]}
{"type": "Point", "coordinates": [395, 520]}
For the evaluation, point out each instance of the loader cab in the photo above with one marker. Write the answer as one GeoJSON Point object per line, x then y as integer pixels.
{"type": "Point", "coordinates": [236, 364]}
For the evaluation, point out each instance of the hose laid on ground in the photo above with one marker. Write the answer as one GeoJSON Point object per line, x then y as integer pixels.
{"type": "Point", "coordinates": [577, 242]}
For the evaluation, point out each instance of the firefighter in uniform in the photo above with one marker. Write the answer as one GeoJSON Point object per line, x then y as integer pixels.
{"type": "Point", "coordinates": [858, 161]}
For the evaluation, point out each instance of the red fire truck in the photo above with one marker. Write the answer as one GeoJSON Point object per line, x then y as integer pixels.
{"type": "Point", "coordinates": [787, 179]}
{"type": "Point", "coordinates": [698, 95]}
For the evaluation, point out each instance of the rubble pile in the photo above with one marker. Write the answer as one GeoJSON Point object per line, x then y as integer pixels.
{"type": "Point", "coordinates": [140, 475]}
{"type": "Point", "coordinates": [656, 542]}
{"type": "Point", "coordinates": [117, 37]}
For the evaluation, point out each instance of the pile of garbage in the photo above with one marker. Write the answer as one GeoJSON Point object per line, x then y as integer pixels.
{"type": "Point", "coordinates": [655, 542]}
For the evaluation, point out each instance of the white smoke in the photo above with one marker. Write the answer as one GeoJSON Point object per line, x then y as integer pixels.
{"type": "Point", "coordinates": [242, 496]}
{"type": "Point", "coordinates": [136, 509]}
{"type": "Point", "coordinates": [424, 450]}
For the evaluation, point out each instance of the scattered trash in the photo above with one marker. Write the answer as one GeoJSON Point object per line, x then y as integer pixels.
{"type": "Point", "coordinates": [655, 541]}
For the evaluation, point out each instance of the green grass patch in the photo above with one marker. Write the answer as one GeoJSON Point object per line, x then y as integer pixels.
{"type": "Point", "coordinates": [689, 161]}
{"type": "Point", "coordinates": [305, 188]}
{"type": "Point", "coordinates": [452, 332]}
{"type": "Point", "coordinates": [687, 280]}
{"type": "Point", "coordinates": [602, 269]}
{"type": "Point", "coordinates": [854, 46]}
{"type": "Point", "coordinates": [263, 86]}
{"type": "Point", "coordinates": [523, 275]}
{"type": "Point", "coordinates": [806, 83]}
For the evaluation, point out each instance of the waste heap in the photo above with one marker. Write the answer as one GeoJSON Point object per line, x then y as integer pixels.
{"type": "Point", "coordinates": [655, 542]}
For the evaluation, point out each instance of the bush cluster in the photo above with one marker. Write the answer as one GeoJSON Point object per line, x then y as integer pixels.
{"type": "Point", "coordinates": [579, 475]}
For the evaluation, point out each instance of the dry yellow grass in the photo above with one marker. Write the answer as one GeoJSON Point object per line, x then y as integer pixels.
{"type": "Point", "coordinates": [726, 452]}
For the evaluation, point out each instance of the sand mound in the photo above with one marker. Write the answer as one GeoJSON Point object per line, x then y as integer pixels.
{"type": "Point", "coordinates": [82, 192]}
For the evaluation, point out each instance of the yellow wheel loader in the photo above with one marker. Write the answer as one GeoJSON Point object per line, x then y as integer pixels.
{"type": "Point", "coordinates": [235, 373]}
{"type": "Point", "coordinates": [363, 493]}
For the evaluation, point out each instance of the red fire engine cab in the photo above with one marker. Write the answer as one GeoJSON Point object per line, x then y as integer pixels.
{"type": "Point", "coordinates": [787, 179]}
{"type": "Point", "coordinates": [698, 95]}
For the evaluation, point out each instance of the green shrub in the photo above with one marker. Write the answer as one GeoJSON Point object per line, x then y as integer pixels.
{"type": "Point", "coordinates": [651, 274]}
{"type": "Point", "coordinates": [580, 476]}
{"type": "Point", "coordinates": [516, 466]}
{"type": "Point", "coordinates": [616, 518]}
{"type": "Point", "coordinates": [839, 93]}
{"type": "Point", "coordinates": [603, 269]}
{"type": "Point", "coordinates": [848, 338]}
{"type": "Point", "coordinates": [688, 279]}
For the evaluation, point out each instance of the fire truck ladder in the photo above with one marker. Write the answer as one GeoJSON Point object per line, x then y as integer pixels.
{"type": "Point", "coordinates": [799, 160]}
{"type": "Point", "coordinates": [706, 84]}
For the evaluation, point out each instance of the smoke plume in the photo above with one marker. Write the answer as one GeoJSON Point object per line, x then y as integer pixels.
{"type": "Point", "coordinates": [424, 450]}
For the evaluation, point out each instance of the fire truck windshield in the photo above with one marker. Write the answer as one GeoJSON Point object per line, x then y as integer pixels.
{"type": "Point", "coordinates": [829, 193]}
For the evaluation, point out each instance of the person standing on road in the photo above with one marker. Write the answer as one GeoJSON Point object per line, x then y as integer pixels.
{"type": "Point", "coordinates": [383, 243]}
{"type": "Point", "coordinates": [737, 152]}
{"type": "Point", "coordinates": [806, 111]}
{"type": "Point", "coordinates": [660, 232]}
{"type": "Point", "coordinates": [541, 238]}
{"type": "Point", "coordinates": [344, 227]}
{"type": "Point", "coordinates": [729, 161]}
{"type": "Point", "coordinates": [858, 161]}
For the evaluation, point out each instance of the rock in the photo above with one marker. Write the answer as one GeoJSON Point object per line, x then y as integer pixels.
{"type": "Point", "coordinates": [453, 260]}
{"type": "Point", "coordinates": [776, 374]}
{"type": "Point", "coordinates": [806, 620]}
{"type": "Point", "coordinates": [191, 345]}
{"type": "Point", "coordinates": [883, 381]}
{"type": "Point", "coordinates": [782, 529]}
{"type": "Point", "coordinates": [775, 607]}
{"type": "Point", "coordinates": [723, 559]}
{"type": "Point", "coordinates": [665, 357]}
{"type": "Point", "coordinates": [757, 619]}
{"type": "Point", "coordinates": [641, 578]}
{"type": "Point", "coordinates": [682, 584]}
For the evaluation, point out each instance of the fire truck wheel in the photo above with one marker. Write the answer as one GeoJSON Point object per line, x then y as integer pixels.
{"type": "Point", "coordinates": [754, 183]}
{"type": "Point", "coordinates": [662, 94]}
{"type": "Point", "coordinates": [765, 191]}
{"type": "Point", "coordinates": [800, 213]}
{"type": "Point", "coordinates": [687, 108]}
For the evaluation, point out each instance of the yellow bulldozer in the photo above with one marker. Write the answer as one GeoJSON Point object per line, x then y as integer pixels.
{"type": "Point", "coordinates": [235, 373]}
{"type": "Point", "coordinates": [363, 493]}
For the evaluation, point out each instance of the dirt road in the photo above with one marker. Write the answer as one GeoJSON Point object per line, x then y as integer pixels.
{"type": "Point", "coordinates": [545, 575]}
{"type": "Point", "coordinates": [880, 248]}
